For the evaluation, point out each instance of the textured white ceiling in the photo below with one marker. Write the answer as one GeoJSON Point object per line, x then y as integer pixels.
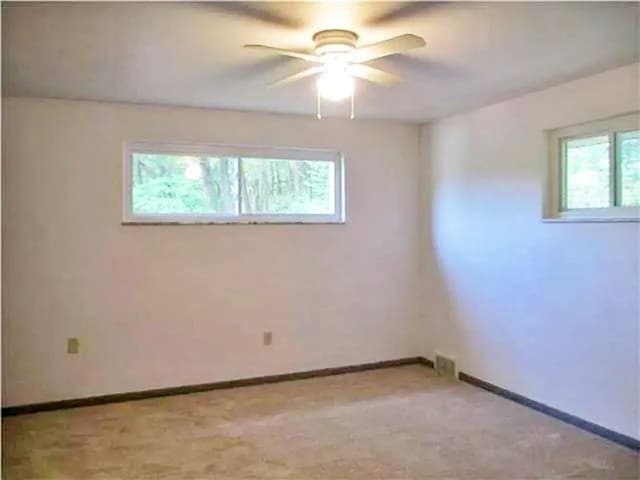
{"type": "Point", "coordinates": [191, 54]}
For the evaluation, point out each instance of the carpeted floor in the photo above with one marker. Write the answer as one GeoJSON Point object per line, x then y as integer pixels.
{"type": "Point", "coordinates": [395, 423]}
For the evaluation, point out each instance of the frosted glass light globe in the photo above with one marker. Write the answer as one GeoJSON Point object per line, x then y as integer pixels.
{"type": "Point", "coordinates": [335, 84]}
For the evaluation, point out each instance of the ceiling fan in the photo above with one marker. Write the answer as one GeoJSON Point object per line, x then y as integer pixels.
{"type": "Point", "coordinates": [338, 60]}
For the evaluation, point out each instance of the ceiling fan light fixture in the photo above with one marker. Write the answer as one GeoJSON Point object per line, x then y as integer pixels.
{"type": "Point", "coordinates": [335, 83]}
{"type": "Point", "coordinates": [338, 59]}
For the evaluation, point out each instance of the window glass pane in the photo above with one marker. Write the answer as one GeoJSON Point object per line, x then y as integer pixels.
{"type": "Point", "coordinates": [182, 184]}
{"type": "Point", "coordinates": [629, 168]}
{"type": "Point", "coordinates": [587, 172]}
{"type": "Point", "coordinates": [276, 186]}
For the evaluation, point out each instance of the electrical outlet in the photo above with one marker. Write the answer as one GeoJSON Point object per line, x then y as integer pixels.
{"type": "Point", "coordinates": [445, 367]}
{"type": "Point", "coordinates": [73, 346]}
{"type": "Point", "coordinates": [267, 338]}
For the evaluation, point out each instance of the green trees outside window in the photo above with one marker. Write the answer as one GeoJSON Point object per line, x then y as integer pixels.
{"type": "Point", "coordinates": [182, 184]}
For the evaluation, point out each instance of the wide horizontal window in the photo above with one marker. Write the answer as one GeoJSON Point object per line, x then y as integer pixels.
{"type": "Point", "coordinates": [173, 183]}
{"type": "Point", "coordinates": [595, 170]}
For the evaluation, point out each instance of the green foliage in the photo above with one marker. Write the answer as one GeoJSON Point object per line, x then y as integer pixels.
{"type": "Point", "coordinates": [287, 186]}
{"type": "Point", "coordinates": [166, 184]}
{"type": "Point", "coordinates": [160, 184]}
{"type": "Point", "coordinates": [588, 171]}
{"type": "Point", "coordinates": [629, 164]}
{"type": "Point", "coordinates": [587, 163]}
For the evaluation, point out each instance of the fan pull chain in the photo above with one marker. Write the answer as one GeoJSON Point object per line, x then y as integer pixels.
{"type": "Point", "coordinates": [353, 106]}
{"type": "Point", "coordinates": [318, 112]}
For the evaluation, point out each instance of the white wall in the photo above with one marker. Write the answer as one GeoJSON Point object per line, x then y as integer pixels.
{"type": "Point", "coordinates": [158, 306]}
{"type": "Point", "coordinates": [550, 311]}
{"type": "Point", "coordinates": [547, 310]}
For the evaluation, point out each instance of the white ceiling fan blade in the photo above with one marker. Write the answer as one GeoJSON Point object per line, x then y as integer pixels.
{"type": "Point", "coordinates": [282, 51]}
{"type": "Point", "coordinates": [393, 45]}
{"type": "Point", "coordinates": [373, 74]}
{"type": "Point", "coordinates": [297, 76]}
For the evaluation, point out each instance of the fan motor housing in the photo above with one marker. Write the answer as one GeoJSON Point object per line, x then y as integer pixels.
{"type": "Point", "coordinates": [334, 41]}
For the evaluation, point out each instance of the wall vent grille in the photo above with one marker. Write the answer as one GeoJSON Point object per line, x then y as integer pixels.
{"type": "Point", "coordinates": [445, 367]}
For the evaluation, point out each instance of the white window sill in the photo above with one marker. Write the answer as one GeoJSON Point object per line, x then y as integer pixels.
{"type": "Point", "coordinates": [577, 219]}
{"type": "Point", "coordinates": [232, 222]}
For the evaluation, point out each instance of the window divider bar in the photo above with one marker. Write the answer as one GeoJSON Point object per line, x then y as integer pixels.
{"type": "Point", "coordinates": [562, 167]}
{"type": "Point", "coordinates": [618, 168]}
{"type": "Point", "coordinates": [613, 183]}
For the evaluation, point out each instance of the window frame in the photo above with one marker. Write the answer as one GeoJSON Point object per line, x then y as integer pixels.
{"type": "Point", "coordinates": [556, 179]}
{"type": "Point", "coordinates": [239, 151]}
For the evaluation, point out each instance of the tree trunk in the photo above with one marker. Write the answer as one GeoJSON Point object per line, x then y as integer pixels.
{"type": "Point", "coordinates": [207, 182]}
{"type": "Point", "coordinates": [264, 184]}
{"type": "Point", "coordinates": [246, 203]}
{"type": "Point", "coordinates": [139, 170]}
{"type": "Point", "coordinates": [225, 186]}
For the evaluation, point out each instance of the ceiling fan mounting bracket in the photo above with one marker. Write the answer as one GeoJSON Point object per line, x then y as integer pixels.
{"type": "Point", "coordinates": [334, 41]}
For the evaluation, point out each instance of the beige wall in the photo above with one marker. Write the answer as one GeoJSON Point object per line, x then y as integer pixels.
{"type": "Point", "coordinates": [158, 306]}
{"type": "Point", "coordinates": [548, 310]}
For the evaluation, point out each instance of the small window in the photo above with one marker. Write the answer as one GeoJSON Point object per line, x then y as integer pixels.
{"type": "Point", "coordinates": [595, 171]}
{"type": "Point", "coordinates": [173, 183]}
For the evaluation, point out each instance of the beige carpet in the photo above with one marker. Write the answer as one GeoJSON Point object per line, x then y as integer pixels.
{"type": "Point", "coordinates": [396, 423]}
